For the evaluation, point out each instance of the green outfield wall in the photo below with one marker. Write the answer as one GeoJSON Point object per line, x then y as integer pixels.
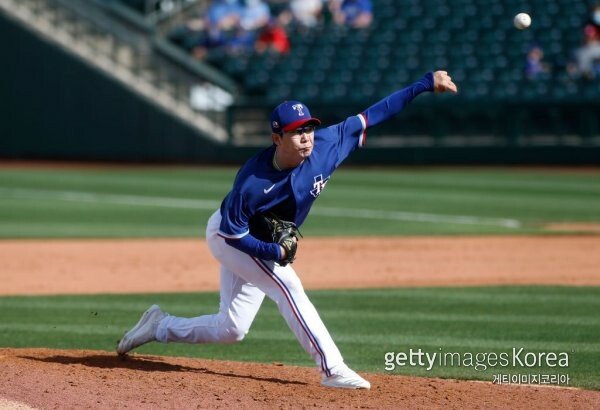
{"type": "Point", "coordinates": [56, 106]}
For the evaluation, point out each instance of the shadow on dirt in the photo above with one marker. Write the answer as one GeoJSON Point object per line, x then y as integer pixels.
{"type": "Point", "coordinates": [146, 364]}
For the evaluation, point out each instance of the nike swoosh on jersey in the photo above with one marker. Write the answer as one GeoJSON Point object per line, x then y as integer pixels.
{"type": "Point", "coordinates": [266, 191]}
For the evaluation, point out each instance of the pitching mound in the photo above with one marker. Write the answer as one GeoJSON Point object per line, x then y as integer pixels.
{"type": "Point", "coordinates": [63, 379]}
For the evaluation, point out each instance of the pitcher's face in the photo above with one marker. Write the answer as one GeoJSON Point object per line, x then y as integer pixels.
{"type": "Point", "coordinates": [297, 144]}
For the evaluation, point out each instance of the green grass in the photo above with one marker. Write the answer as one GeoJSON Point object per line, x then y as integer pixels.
{"type": "Point", "coordinates": [171, 202]}
{"type": "Point", "coordinates": [365, 324]}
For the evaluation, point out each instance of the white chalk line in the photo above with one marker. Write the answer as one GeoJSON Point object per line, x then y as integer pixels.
{"type": "Point", "coordinates": [165, 202]}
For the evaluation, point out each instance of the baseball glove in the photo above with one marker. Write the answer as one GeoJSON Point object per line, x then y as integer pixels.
{"type": "Point", "coordinates": [286, 234]}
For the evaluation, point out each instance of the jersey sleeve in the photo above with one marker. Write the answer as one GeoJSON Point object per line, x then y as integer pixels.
{"type": "Point", "coordinates": [235, 229]}
{"type": "Point", "coordinates": [350, 134]}
{"type": "Point", "coordinates": [257, 248]}
{"type": "Point", "coordinates": [396, 102]}
{"type": "Point", "coordinates": [234, 216]}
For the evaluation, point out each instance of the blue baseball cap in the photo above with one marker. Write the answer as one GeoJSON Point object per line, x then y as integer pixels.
{"type": "Point", "coordinates": [290, 115]}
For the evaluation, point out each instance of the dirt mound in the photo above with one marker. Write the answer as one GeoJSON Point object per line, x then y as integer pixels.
{"type": "Point", "coordinates": [64, 379]}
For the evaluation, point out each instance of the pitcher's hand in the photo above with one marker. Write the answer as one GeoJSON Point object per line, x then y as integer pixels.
{"type": "Point", "coordinates": [442, 82]}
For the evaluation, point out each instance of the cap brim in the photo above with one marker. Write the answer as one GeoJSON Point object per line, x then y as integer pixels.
{"type": "Point", "coordinates": [297, 124]}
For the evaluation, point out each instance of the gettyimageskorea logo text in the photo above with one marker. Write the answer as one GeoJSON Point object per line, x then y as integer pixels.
{"type": "Point", "coordinates": [482, 361]}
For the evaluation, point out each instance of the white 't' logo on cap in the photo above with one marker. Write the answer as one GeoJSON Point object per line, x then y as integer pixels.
{"type": "Point", "coordinates": [299, 108]}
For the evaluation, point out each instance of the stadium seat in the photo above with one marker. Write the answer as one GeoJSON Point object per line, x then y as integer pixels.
{"type": "Point", "coordinates": [473, 39]}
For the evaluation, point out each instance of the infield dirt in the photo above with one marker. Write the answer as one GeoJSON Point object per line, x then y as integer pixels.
{"type": "Point", "coordinates": [185, 265]}
{"type": "Point", "coordinates": [45, 378]}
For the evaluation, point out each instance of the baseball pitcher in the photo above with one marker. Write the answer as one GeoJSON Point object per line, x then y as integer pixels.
{"type": "Point", "coordinates": [254, 235]}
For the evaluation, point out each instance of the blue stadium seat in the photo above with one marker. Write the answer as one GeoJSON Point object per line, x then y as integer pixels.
{"type": "Point", "coordinates": [473, 39]}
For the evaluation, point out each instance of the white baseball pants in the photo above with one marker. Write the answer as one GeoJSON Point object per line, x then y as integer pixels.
{"type": "Point", "coordinates": [244, 282]}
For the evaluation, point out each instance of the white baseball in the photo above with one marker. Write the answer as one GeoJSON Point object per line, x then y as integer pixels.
{"type": "Point", "coordinates": [522, 21]}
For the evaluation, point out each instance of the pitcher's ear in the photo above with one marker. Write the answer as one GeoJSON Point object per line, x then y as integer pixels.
{"type": "Point", "coordinates": [276, 138]}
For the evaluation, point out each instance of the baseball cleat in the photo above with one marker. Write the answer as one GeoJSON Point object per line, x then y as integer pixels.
{"type": "Point", "coordinates": [347, 379]}
{"type": "Point", "coordinates": [143, 332]}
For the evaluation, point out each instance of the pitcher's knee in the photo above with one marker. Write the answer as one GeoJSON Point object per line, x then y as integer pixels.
{"type": "Point", "coordinates": [232, 334]}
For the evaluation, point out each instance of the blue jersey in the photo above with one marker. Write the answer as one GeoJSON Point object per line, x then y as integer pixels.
{"type": "Point", "coordinates": [259, 187]}
{"type": "Point", "coordinates": [290, 193]}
